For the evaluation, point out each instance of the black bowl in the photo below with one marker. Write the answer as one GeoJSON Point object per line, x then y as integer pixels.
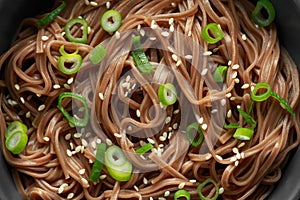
{"type": "Point", "coordinates": [287, 20]}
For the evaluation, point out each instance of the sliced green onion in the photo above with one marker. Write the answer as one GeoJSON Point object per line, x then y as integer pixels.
{"type": "Point", "coordinates": [263, 96]}
{"type": "Point", "coordinates": [220, 74]}
{"type": "Point", "coordinates": [16, 141]}
{"type": "Point", "coordinates": [70, 24]}
{"type": "Point", "coordinates": [257, 15]}
{"type": "Point", "coordinates": [97, 54]}
{"type": "Point", "coordinates": [203, 184]}
{"type": "Point", "coordinates": [284, 104]}
{"type": "Point", "coordinates": [248, 118]}
{"type": "Point", "coordinates": [140, 57]}
{"type": "Point", "coordinates": [14, 127]}
{"type": "Point", "coordinates": [111, 21]}
{"type": "Point", "coordinates": [232, 125]}
{"type": "Point", "coordinates": [212, 33]}
{"type": "Point", "coordinates": [195, 140]}
{"type": "Point", "coordinates": [51, 16]}
{"type": "Point", "coordinates": [243, 133]}
{"type": "Point", "coordinates": [98, 163]}
{"type": "Point", "coordinates": [167, 94]}
{"type": "Point", "coordinates": [73, 59]}
{"type": "Point", "coordinates": [182, 193]}
{"type": "Point", "coordinates": [145, 148]}
{"type": "Point", "coordinates": [117, 165]}
{"type": "Point", "coordinates": [74, 120]}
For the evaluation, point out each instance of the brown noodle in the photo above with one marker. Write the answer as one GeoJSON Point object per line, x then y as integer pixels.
{"type": "Point", "coordinates": [44, 166]}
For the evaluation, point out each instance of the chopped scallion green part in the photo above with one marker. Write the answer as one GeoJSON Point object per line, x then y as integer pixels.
{"type": "Point", "coordinates": [97, 54]}
{"type": "Point", "coordinates": [212, 33]}
{"type": "Point", "coordinates": [74, 120]}
{"type": "Point", "coordinates": [83, 23]}
{"type": "Point", "coordinates": [51, 16]}
{"type": "Point", "coordinates": [140, 57]}
{"type": "Point", "coordinates": [220, 74]}
{"type": "Point", "coordinates": [167, 94]}
{"type": "Point", "coordinates": [98, 163]}
{"type": "Point", "coordinates": [194, 139]}
{"type": "Point", "coordinates": [257, 14]}
{"type": "Point", "coordinates": [111, 21]}
{"type": "Point", "coordinates": [243, 133]}
{"type": "Point", "coordinates": [248, 118]}
{"type": "Point", "coordinates": [232, 125]}
{"type": "Point", "coordinates": [284, 104]}
{"type": "Point", "coordinates": [14, 127]}
{"type": "Point", "coordinates": [145, 148]}
{"type": "Point", "coordinates": [203, 184]}
{"type": "Point", "coordinates": [117, 164]}
{"type": "Point", "coordinates": [182, 194]}
{"type": "Point", "coordinates": [73, 59]}
{"type": "Point", "coordinates": [262, 96]}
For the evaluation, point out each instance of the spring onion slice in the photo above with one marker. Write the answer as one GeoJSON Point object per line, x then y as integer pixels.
{"type": "Point", "coordinates": [14, 127]}
{"type": "Point", "coordinates": [117, 165]}
{"type": "Point", "coordinates": [284, 104]}
{"type": "Point", "coordinates": [167, 94]}
{"type": "Point", "coordinates": [203, 184]}
{"type": "Point", "coordinates": [98, 163]}
{"type": "Point", "coordinates": [70, 24]}
{"type": "Point", "coordinates": [220, 74]}
{"type": "Point", "coordinates": [248, 118]}
{"type": "Point", "coordinates": [212, 33]}
{"type": "Point", "coordinates": [69, 58]}
{"type": "Point", "coordinates": [232, 125]}
{"type": "Point", "coordinates": [194, 140]}
{"type": "Point", "coordinates": [263, 96]}
{"type": "Point", "coordinates": [145, 148]}
{"type": "Point", "coordinates": [97, 54]}
{"type": "Point", "coordinates": [140, 57]}
{"type": "Point", "coordinates": [111, 21]}
{"type": "Point", "coordinates": [257, 15]}
{"type": "Point", "coordinates": [74, 120]}
{"type": "Point", "coordinates": [16, 141]}
{"type": "Point", "coordinates": [51, 16]}
{"type": "Point", "coordinates": [182, 193]}
{"type": "Point", "coordinates": [243, 133]}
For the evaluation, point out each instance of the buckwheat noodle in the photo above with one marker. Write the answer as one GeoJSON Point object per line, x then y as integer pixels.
{"type": "Point", "coordinates": [32, 83]}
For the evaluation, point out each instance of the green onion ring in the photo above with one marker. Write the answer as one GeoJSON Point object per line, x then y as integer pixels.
{"type": "Point", "coordinates": [97, 54]}
{"type": "Point", "coordinates": [111, 21]}
{"type": "Point", "coordinates": [70, 24]}
{"type": "Point", "coordinates": [203, 184]}
{"type": "Point", "coordinates": [257, 15]}
{"type": "Point", "coordinates": [182, 193]}
{"type": "Point", "coordinates": [215, 30]}
{"type": "Point", "coordinates": [220, 74]}
{"type": "Point", "coordinates": [167, 94]}
{"type": "Point", "coordinates": [243, 133]}
{"type": "Point", "coordinates": [263, 96]}
{"type": "Point", "coordinates": [16, 141]}
{"type": "Point", "coordinates": [191, 138]}
{"type": "Point", "coordinates": [15, 126]}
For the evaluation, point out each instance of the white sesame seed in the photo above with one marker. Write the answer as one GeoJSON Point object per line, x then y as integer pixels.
{"type": "Point", "coordinates": [136, 188]}
{"type": "Point", "coordinates": [138, 28]}
{"type": "Point", "coordinates": [117, 34]}
{"type": "Point", "coordinates": [84, 142]}
{"type": "Point", "coordinates": [233, 159]}
{"type": "Point", "coordinates": [223, 102]}
{"type": "Point", "coordinates": [56, 86]}
{"type": "Point", "coordinates": [28, 114]}
{"type": "Point", "coordinates": [87, 2]}
{"type": "Point", "coordinates": [91, 161]}
{"type": "Point", "coordinates": [138, 113]}
{"type": "Point", "coordinates": [94, 145]}
{"type": "Point", "coordinates": [189, 57]}
{"type": "Point", "coordinates": [93, 3]}
{"type": "Point", "coordinates": [84, 181]}
{"type": "Point", "coordinates": [235, 66]}
{"type": "Point", "coordinates": [236, 80]}
{"type": "Point", "coordinates": [176, 111]}
{"type": "Point", "coordinates": [117, 135]}
{"type": "Point", "coordinates": [181, 185]}
{"type": "Point", "coordinates": [165, 33]}
{"type": "Point", "coordinates": [71, 145]}
{"type": "Point", "coordinates": [151, 140]}
{"type": "Point", "coordinates": [228, 95]}
{"type": "Point", "coordinates": [236, 163]}
{"type": "Point", "coordinates": [78, 149]}
{"type": "Point", "coordinates": [172, 29]}
{"type": "Point", "coordinates": [238, 156]}
{"type": "Point", "coordinates": [167, 193]}
{"type": "Point", "coordinates": [22, 100]}
{"type": "Point", "coordinates": [70, 195]}
{"type": "Point", "coordinates": [45, 38]}
{"type": "Point", "coordinates": [245, 86]}
{"type": "Point", "coordinates": [41, 107]}
{"type": "Point", "coordinates": [103, 176]}
{"type": "Point", "coordinates": [207, 53]}
{"type": "Point", "coordinates": [219, 157]}
{"type": "Point", "coordinates": [161, 198]}
{"type": "Point", "coordinates": [229, 62]}
{"type": "Point", "coordinates": [244, 37]}
{"type": "Point", "coordinates": [242, 155]}
{"type": "Point", "coordinates": [98, 141]}
{"type": "Point", "coordinates": [60, 189]}
{"type": "Point", "coordinates": [142, 32]}
{"type": "Point", "coordinates": [108, 142]}
{"type": "Point", "coordinates": [68, 136]}
{"type": "Point", "coordinates": [229, 114]}
{"type": "Point", "coordinates": [193, 181]}
{"type": "Point", "coordinates": [108, 4]}
{"type": "Point", "coordinates": [47, 139]}
{"type": "Point", "coordinates": [162, 138]}
{"type": "Point", "coordinates": [171, 20]}
{"type": "Point", "coordinates": [241, 144]}
{"type": "Point", "coordinates": [252, 88]}
{"type": "Point", "coordinates": [173, 4]}
{"type": "Point", "coordinates": [204, 126]}
{"type": "Point", "coordinates": [235, 150]}
{"type": "Point", "coordinates": [232, 98]}
{"type": "Point", "coordinates": [175, 57]}
{"type": "Point", "coordinates": [179, 62]}
{"type": "Point", "coordinates": [170, 128]}
{"type": "Point", "coordinates": [70, 80]}
{"type": "Point", "coordinates": [145, 180]}
{"type": "Point", "coordinates": [101, 96]}
{"type": "Point", "coordinates": [175, 126]}
{"type": "Point", "coordinates": [81, 171]}
{"type": "Point", "coordinates": [238, 106]}
{"type": "Point", "coordinates": [153, 25]}
{"type": "Point", "coordinates": [200, 120]}
{"type": "Point", "coordinates": [221, 190]}
{"type": "Point", "coordinates": [170, 135]}
{"type": "Point", "coordinates": [204, 72]}
{"type": "Point", "coordinates": [189, 33]}
{"type": "Point", "coordinates": [208, 156]}
{"type": "Point", "coordinates": [152, 38]}
{"type": "Point", "coordinates": [234, 75]}
{"type": "Point", "coordinates": [214, 111]}
{"type": "Point", "coordinates": [17, 86]}
{"type": "Point", "coordinates": [69, 152]}
{"type": "Point", "coordinates": [77, 135]}
{"type": "Point", "coordinates": [168, 119]}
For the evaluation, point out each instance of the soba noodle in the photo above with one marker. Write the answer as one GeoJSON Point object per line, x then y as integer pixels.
{"type": "Point", "coordinates": [125, 110]}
